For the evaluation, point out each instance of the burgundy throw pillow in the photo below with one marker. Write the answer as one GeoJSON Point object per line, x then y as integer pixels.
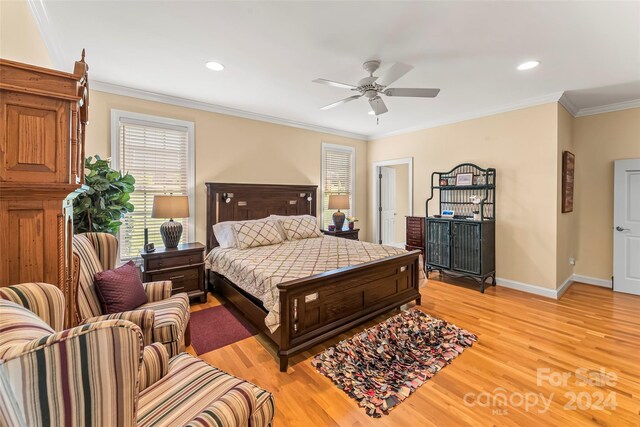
{"type": "Point", "coordinates": [120, 289]}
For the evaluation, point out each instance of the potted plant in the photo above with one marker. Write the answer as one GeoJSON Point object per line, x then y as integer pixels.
{"type": "Point", "coordinates": [103, 205]}
{"type": "Point", "coordinates": [352, 222]}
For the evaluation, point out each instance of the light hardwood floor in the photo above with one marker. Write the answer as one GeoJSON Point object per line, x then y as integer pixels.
{"type": "Point", "coordinates": [589, 328]}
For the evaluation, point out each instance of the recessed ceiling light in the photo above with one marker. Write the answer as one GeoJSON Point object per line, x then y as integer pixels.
{"type": "Point", "coordinates": [371, 113]}
{"type": "Point", "coordinates": [215, 66]}
{"type": "Point", "coordinates": [528, 65]}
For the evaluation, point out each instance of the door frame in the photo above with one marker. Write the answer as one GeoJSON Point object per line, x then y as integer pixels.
{"type": "Point", "coordinates": [375, 168]}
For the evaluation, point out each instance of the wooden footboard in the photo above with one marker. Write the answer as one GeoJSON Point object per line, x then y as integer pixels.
{"type": "Point", "coordinates": [319, 307]}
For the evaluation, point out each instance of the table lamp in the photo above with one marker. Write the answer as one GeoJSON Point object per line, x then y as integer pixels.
{"type": "Point", "coordinates": [169, 206]}
{"type": "Point", "coordinates": [338, 201]}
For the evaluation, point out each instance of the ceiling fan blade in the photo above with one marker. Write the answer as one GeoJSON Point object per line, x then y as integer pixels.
{"type": "Point", "coordinates": [396, 71]}
{"type": "Point", "coordinates": [334, 84]}
{"type": "Point", "coordinates": [377, 105]}
{"type": "Point", "coordinates": [415, 92]}
{"type": "Point", "coordinates": [342, 101]}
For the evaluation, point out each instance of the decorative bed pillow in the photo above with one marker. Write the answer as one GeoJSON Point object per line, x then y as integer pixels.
{"type": "Point", "coordinates": [120, 289]}
{"type": "Point", "coordinates": [225, 235]}
{"type": "Point", "coordinates": [262, 232]}
{"type": "Point", "coordinates": [300, 227]}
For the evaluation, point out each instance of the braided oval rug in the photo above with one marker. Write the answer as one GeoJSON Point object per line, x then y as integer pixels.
{"type": "Point", "coordinates": [381, 366]}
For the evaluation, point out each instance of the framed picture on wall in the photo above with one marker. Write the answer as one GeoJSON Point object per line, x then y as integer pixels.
{"type": "Point", "coordinates": [464, 179]}
{"type": "Point", "coordinates": [568, 176]}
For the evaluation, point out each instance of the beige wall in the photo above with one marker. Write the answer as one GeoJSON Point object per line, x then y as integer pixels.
{"type": "Point", "coordinates": [233, 149]}
{"type": "Point", "coordinates": [566, 222]}
{"type": "Point", "coordinates": [20, 39]}
{"type": "Point", "coordinates": [522, 146]}
{"type": "Point", "coordinates": [599, 140]}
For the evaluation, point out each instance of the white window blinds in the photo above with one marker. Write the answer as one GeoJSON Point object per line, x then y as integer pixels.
{"type": "Point", "coordinates": [157, 154]}
{"type": "Point", "coordinates": [338, 177]}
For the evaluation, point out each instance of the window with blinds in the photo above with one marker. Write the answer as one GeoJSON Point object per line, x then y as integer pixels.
{"type": "Point", "coordinates": [158, 153]}
{"type": "Point", "coordinates": [338, 177]}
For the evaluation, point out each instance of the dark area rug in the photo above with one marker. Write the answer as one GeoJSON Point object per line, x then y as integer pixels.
{"type": "Point", "coordinates": [217, 327]}
{"type": "Point", "coordinates": [381, 366]}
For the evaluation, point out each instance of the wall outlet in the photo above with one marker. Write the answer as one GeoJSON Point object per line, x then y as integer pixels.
{"type": "Point", "coordinates": [572, 261]}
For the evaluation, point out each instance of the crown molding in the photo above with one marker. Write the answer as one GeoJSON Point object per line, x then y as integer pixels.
{"type": "Point", "coordinates": [214, 108]}
{"type": "Point", "coordinates": [531, 102]}
{"type": "Point", "coordinates": [566, 102]}
{"type": "Point", "coordinates": [46, 32]}
{"type": "Point", "coordinates": [618, 106]}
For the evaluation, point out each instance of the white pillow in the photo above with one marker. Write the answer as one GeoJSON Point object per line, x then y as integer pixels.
{"type": "Point", "coordinates": [225, 234]}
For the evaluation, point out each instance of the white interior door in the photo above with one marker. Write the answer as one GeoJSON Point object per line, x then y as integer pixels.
{"type": "Point", "coordinates": [626, 227]}
{"type": "Point", "coordinates": [388, 204]}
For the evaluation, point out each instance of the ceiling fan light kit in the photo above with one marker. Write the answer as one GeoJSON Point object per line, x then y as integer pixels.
{"type": "Point", "coordinates": [372, 87]}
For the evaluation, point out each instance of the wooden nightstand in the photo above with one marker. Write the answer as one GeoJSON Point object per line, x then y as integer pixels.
{"type": "Point", "coordinates": [183, 265]}
{"type": "Point", "coordinates": [345, 234]}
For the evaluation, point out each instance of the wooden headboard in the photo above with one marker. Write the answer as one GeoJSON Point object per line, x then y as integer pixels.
{"type": "Point", "coordinates": [240, 202]}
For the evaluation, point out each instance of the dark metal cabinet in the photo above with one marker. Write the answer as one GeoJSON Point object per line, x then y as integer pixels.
{"type": "Point", "coordinates": [463, 246]}
{"type": "Point", "coordinates": [462, 239]}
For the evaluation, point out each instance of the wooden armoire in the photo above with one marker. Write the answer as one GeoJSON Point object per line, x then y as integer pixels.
{"type": "Point", "coordinates": [44, 114]}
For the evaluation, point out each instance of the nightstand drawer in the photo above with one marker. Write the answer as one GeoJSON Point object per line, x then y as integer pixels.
{"type": "Point", "coordinates": [174, 261]}
{"type": "Point", "coordinates": [184, 279]}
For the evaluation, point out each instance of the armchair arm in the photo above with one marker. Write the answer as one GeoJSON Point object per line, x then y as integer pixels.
{"type": "Point", "coordinates": [233, 409]}
{"type": "Point", "coordinates": [157, 291]}
{"type": "Point", "coordinates": [46, 301]}
{"type": "Point", "coordinates": [55, 392]}
{"type": "Point", "coordinates": [155, 365]}
{"type": "Point", "coordinates": [144, 319]}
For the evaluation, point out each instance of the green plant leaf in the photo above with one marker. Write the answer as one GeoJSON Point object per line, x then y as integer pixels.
{"type": "Point", "coordinates": [103, 205]}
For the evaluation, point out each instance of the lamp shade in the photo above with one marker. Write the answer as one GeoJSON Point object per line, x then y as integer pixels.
{"type": "Point", "coordinates": [170, 207]}
{"type": "Point", "coordinates": [339, 201]}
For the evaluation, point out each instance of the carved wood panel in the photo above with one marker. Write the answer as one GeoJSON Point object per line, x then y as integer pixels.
{"type": "Point", "coordinates": [32, 141]}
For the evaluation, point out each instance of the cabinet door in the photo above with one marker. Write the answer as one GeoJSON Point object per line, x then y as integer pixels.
{"type": "Point", "coordinates": [34, 147]}
{"type": "Point", "coordinates": [438, 243]}
{"type": "Point", "coordinates": [465, 237]}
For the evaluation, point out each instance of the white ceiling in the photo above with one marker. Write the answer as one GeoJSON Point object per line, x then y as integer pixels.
{"type": "Point", "coordinates": [272, 51]}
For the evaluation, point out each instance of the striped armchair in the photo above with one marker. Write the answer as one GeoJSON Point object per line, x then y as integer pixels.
{"type": "Point", "coordinates": [100, 374]}
{"type": "Point", "coordinates": [164, 318]}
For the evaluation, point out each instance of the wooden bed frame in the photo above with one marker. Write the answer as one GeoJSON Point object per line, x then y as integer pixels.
{"type": "Point", "coordinates": [318, 307]}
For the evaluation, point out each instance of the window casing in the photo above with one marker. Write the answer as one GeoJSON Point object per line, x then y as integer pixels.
{"type": "Point", "coordinates": [338, 177]}
{"type": "Point", "coordinates": [159, 153]}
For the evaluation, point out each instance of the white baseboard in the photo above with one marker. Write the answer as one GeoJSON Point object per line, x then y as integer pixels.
{"type": "Point", "coordinates": [552, 293]}
{"type": "Point", "coordinates": [593, 281]}
{"type": "Point", "coordinates": [525, 287]}
{"type": "Point", "coordinates": [563, 288]}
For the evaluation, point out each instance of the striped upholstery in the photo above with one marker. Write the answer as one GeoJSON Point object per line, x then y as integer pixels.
{"type": "Point", "coordinates": [10, 413]}
{"type": "Point", "coordinates": [188, 391]}
{"type": "Point", "coordinates": [106, 247]}
{"type": "Point", "coordinates": [145, 319]}
{"type": "Point", "coordinates": [231, 410]}
{"type": "Point", "coordinates": [47, 301]}
{"type": "Point", "coordinates": [88, 302]}
{"type": "Point", "coordinates": [98, 374]}
{"type": "Point", "coordinates": [157, 291]}
{"type": "Point", "coordinates": [69, 377]}
{"type": "Point", "coordinates": [97, 252]}
{"type": "Point", "coordinates": [155, 365]}
{"type": "Point", "coordinates": [171, 318]}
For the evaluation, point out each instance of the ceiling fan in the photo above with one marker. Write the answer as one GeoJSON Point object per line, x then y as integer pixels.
{"type": "Point", "coordinates": [372, 87]}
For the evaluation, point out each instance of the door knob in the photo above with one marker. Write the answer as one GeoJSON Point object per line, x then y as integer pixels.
{"type": "Point", "coordinates": [622, 229]}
